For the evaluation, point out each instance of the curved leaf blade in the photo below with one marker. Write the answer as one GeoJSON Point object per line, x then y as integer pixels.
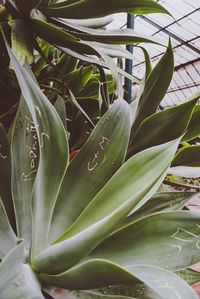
{"type": "Point", "coordinates": [25, 158]}
{"type": "Point", "coordinates": [61, 109]}
{"type": "Point", "coordinates": [117, 36]}
{"type": "Point", "coordinates": [188, 156]}
{"type": "Point", "coordinates": [57, 36]}
{"type": "Point", "coordinates": [160, 202]}
{"type": "Point", "coordinates": [193, 129]}
{"type": "Point", "coordinates": [53, 150]}
{"type": "Point", "coordinates": [98, 272]}
{"type": "Point", "coordinates": [163, 126]}
{"type": "Point", "coordinates": [130, 187]}
{"type": "Point", "coordinates": [155, 88]}
{"type": "Point", "coordinates": [97, 161]}
{"type": "Point", "coordinates": [5, 176]}
{"type": "Point", "coordinates": [7, 235]}
{"type": "Point", "coordinates": [168, 240]}
{"type": "Point", "coordinates": [86, 9]}
{"type": "Point", "coordinates": [17, 279]}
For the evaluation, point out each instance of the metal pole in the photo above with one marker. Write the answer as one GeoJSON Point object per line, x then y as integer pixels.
{"type": "Point", "coordinates": [129, 63]}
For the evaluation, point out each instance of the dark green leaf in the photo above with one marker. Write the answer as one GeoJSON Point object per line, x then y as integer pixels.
{"type": "Point", "coordinates": [188, 156]}
{"type": "Point", "coordinates": [59, 37]}
{"type": "Point", "coordinates": [7, 236]}
{"type": "Point", "coordinates": [60, 108]}
{"type": "Point", "coordinates": [5, 177]}
{"type": "Point", "coordinates": [162, 126]}
{"type": "Point", "coordinates": [155, 88]}
{"type": "Point", "coordinates": [86, 9]}
{"type": "Point", "coordinates": [77, 79]}
{"type": "Point", "coordinates": [193, 129]}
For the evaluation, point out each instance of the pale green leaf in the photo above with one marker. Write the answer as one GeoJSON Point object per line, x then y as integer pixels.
{"type": "Point", "coordinates": [86, 9]}
{"type": "Point", "coordinates": [117, 36]}
{"type": "Point", "coordinates": [17, 279]}
{"type": "Point", "coordinates": [5, 176]}
{"type": "Point", "coordinates": [96, 162]}
{"type": "Point", "coordinates": [8, 238]}
{"type": "Point", "coordinates": [129, 188]}
{"type": "Point", "coordinates": [24, 159]}
{"type": "Point", "coordinates": [168, 240]}
{"type": "Point", "coordinates": [53, 151]}
{"type": "Point", "coordinates": [99, 272]}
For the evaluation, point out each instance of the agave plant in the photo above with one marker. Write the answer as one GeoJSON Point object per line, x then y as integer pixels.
{"type": "Point", "coordinates": [97, 221]}
{"type": "Point", "coordinates": [75, 26]}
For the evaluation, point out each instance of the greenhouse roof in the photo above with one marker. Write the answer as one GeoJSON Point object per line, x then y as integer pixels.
{"type": "Point", "coordinates": [185, 35]}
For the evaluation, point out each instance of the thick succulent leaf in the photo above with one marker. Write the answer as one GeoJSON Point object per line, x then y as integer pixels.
{"type": "Point", "coordinates": [168, 240]}
{"type": "Point", "coordinates": [57, 36]}
{"type": "Point", "coordinates": [148, 66]}
{"type": "Point", "coordinates": [98, 272]}
{"type": "Point", "coordinates": [185, 171]}
{"type": "Point", "coordinates": [53, 151]}
{"type": "Point", "coordinates": [162, 126]}
{"type": "Point", "coordinates": [91, 23]}
{"type": "Point", "coordinates": [97, 61]}
{"type": "Point", "coordinates": [17, 279]}
{"type": "Point", "coordinates": [111, 50]}
{"type": "Point", "coordinates": [77, 79]}
{"type": "Point", "coordinates": [161, 202]}
{"type": "Point", "coordinates": [87, 9]}
{"type": "Point", "coordinates": [188, 156]}
{"type": "Point", "coordinates": [61, 109]}
{"type": "Point", "coordinates": [189, 275]}
{"type": "Point", "coordinates": [155, 88]}
{"type": "Point", "coordinates": [118, 36]}
{"type": "Point", "coordinates": [22, 41]}
{"type": "Point", "coordinates": [193, 129]}
{"type": "Point", "coordinates": [75, 102]}
{"type": "Point", "coordinates": [8, 238]}
{"type": "Point", "coordinates": [5, 176]}
{"type": "Point", "coordinates": [130, 187]}
{"type": "Point", "coordinates": [24, 159]}
{"type": "Point", "coordinates": [97, 161]}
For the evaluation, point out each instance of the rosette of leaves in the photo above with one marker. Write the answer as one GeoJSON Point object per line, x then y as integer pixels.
{"type": "Point", "coordinates": [96, 224]}
{"type": "Point", "coordinates": [78, 27]}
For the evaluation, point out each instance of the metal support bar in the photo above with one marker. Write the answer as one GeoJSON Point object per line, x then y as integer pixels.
{"type": "Point", "coordinates": [171, 34]}
{"type": "Point", "coordinates": [129, 63]}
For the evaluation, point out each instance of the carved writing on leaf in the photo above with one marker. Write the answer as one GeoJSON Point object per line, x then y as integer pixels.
{"type": "Point", "coordinates": [95, 160]}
